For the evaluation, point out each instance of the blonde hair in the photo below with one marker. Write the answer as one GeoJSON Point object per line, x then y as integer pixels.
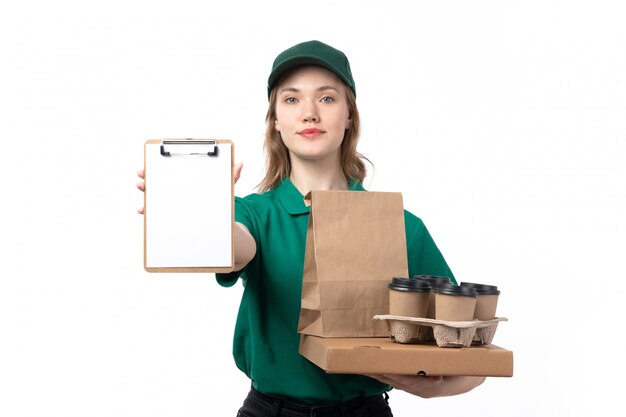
{"type": "Point", "coordinates": [278, 164]}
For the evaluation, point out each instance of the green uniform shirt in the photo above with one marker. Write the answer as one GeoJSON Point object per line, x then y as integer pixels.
{"type": "Point", "coordinates": [266, 339]}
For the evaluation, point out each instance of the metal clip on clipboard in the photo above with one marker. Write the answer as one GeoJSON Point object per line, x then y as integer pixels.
{"type": "Point", "coordinates": [212, 142]}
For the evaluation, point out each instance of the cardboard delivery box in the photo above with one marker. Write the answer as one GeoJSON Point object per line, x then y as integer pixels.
{"type": "Point", "coordinates": [380, 355]}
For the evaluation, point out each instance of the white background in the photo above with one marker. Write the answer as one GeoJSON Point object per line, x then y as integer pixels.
{"type": "Point", "coordinates": [501, 122]}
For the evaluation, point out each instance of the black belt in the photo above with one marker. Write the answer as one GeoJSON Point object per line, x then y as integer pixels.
{"type": "Point", "coordinates": [272, 406]}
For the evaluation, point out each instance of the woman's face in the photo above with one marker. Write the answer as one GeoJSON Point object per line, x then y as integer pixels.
{"type": "Point", "coordinates": [312, 113]}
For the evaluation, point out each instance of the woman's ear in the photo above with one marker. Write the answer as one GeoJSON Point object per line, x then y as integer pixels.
{"type": "Point", "coordinates": [349, 122]}
{"type": "Point", "coordinates": [276, 125]}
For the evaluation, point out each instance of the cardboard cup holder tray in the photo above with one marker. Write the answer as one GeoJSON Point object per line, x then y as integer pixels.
{"type": "Point", "coordinates": [444, 333]}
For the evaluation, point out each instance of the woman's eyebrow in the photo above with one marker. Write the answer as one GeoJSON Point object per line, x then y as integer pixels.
{"type": "Point", "coordinates": [296, 90]}
{"type": "Point", "coordinates": [289, 89]}
{"type": "Point", "coordinates": [327, 87]}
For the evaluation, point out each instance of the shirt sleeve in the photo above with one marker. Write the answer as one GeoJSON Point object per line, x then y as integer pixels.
{"type": "Point", "coordinates": [424, 256]}
{"type": "Point", "coordinates": [245, 216]}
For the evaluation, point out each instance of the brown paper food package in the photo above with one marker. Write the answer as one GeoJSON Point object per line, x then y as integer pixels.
{"type": "Point", "coordinates": [380, 355]}
{"type": "Point", "coordinates": [356, 242]}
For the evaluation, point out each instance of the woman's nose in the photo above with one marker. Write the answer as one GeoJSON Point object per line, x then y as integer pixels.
{"type": "Point", "coordinates": [310, 113]}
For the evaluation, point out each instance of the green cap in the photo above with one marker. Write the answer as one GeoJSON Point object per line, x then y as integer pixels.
{"type": "Point", "coordinates": [311, 53]}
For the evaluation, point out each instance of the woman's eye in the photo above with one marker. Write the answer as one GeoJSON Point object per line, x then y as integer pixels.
{"type": "Point", "coordinates": [291, 100]}
{"type": "Point", "coordinates": [327, 99]}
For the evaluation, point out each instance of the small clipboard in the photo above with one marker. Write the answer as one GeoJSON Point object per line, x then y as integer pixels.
{"type": "Point", "coordinates": [188, 205]}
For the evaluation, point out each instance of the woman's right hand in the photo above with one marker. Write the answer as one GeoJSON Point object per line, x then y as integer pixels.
{"type": "Point", "coordinates": [141, 185]}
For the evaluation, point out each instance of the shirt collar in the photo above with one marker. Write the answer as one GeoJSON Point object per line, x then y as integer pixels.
{"type": "Point", "coordinates": [293, 201]}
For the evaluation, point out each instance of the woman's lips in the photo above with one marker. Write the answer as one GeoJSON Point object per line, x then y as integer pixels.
{"type": "Point", "coordinates": [310, 133]}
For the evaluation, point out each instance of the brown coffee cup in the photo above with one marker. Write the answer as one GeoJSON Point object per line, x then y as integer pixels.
{"type": "Point", "coordinates": [408, 298]}
{"type": "Point", "coordinates": [455, 303]}
{"type": "Point", "coordinates": [434, 281]}
{"type": "Point", "coordinates": [426, 332]}
{"type": "Point", "coordinates": [487, 300]}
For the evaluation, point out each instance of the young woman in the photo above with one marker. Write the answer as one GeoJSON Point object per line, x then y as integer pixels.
{"type": "Point", "coordinates": [310, 143]}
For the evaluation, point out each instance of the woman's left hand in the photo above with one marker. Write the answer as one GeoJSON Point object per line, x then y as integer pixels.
{"type": "Point", "coordinates": [431, 386]}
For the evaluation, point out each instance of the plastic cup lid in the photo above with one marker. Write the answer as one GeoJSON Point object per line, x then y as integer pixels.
{"type": "Point", "coordinates": [483, 289]}
{"type": "Point", "coordinates": [451, 289]}
{"type": "Point", "coordinates": [434, 280]}
{"type": "Point", "coordinates": [406, 284]}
